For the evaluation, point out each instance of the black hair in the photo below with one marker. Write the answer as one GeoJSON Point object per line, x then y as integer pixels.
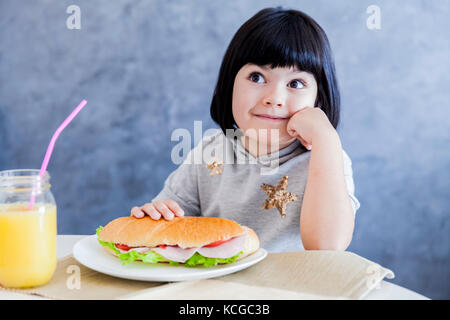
{"type": "Point", "coordinates": [280, 38]}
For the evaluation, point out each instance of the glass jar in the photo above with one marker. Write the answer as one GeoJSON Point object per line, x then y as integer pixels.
{"type": "Point", "coordinates": [27, 236]}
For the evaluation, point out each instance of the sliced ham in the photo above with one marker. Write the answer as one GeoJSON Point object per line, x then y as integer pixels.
{"type": "Point", "coordinates": [176, 253]}
{"type": "Point", "coordinates": [225, 250]}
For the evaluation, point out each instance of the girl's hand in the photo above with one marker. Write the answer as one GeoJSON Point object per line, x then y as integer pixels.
{"type": "Point", "coordinates": [307, 124]}
{"type": "Point", "coordinates": [166, 208]}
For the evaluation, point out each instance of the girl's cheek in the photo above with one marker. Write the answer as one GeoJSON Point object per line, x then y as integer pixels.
{"type": "Point", "coordinates": [243, 100]}
{"type": "Point", "coordinates": [238, 103]}
{"type": "Point", "coordinates": [300, 104]}
{"type": "Point", "coordinates": [295, 108]}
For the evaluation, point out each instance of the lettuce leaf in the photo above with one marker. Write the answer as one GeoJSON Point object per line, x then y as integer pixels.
{"type": "Point", "coordinates": [105, 243]}
{"type": "Point", "coordinates": [152, 257]}
{"type": "Point", "coordinates": [198, 259]}
{"type": "Point", "coordinates": [147, 257]}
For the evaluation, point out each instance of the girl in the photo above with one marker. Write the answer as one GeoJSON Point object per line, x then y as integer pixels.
{"type": "Point", "coordinates": [277, 74]}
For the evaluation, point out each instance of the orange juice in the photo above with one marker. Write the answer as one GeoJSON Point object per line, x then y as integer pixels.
{"type": "Point", "coordinates": [27, 244]}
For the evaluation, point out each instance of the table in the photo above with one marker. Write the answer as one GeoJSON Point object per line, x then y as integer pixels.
{"type": "Point", "coordinates": [386, 291]}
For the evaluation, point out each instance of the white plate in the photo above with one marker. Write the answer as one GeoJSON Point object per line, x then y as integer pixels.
{"type": "Point", "coordinates": [91, 254]}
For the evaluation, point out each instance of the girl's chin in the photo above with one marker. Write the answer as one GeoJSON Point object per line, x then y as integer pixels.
{"type": "Point", "coordinates": [282, 141]}
{"type": "Point", "coordinates": [268, 133]}
{"type": "Point", "coordinates": [269, 126]}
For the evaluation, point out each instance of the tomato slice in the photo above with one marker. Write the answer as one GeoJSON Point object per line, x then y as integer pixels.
{"type": "Point", "coordinates": [123, 247]}
{"type": "Point", "coordinates": [163, 246]}
{"type": "Point", "coordinates": [216, 243]}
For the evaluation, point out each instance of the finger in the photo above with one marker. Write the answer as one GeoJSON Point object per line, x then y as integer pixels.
{"type": "Point", "coordinates": [162, 208]}
{"type": "Point", "coordinates": [136, 212]}
{"type": "Point", "coordinates": [149, 209]}
{"type": "Point", "coordinates": [173, 205]}
{"type": "Point", "coordinates": [292, 133]}
{"type": "Point", "coordinates": [304, 142]}
{"type": "Point", "coordinates": [290, 130]}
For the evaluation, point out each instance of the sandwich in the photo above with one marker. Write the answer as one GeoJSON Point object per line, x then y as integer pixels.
{"type": "Point", "coordinates": [188, 241]}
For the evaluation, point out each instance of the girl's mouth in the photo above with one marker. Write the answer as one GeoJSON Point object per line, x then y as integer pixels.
{"type": "Point", "coordinates": [270, 119]}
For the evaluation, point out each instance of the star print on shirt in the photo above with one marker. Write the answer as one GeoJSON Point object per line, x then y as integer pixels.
{"type": "Point", "coordinates": [215, 167]}
{"type": "Point", "coordinates": [278, 196]}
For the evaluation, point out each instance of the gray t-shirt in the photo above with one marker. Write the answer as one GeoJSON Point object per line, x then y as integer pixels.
{"type": "Point", "coordinates": [237, 194]}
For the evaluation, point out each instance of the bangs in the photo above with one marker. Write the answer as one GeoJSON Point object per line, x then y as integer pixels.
{"type": "Point", "coordinates": [285, 42]}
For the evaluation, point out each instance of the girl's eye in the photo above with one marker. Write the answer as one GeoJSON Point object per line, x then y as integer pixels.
{"type": "Point", "coordinates": [256, 77]}
{"type": "Point", "coordinates": [296, 84]}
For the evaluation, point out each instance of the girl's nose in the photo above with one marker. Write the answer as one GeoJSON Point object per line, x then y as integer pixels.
{"type": "Point", "coordinates": [274, 98]}
{"type": "Point", "coordinates": [269, 102]}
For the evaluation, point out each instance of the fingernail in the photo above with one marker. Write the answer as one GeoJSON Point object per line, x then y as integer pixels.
{"type": "Point", "coordinates": [155, 215]}
{"type": "Point", "coordinates": [181, 213]}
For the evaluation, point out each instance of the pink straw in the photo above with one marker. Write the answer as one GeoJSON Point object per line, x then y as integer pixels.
{"type": "Point", "coordinates": [48, 154]}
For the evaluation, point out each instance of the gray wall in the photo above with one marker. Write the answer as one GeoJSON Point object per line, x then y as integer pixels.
{"type": "Point", "coordinates": [149, 67]}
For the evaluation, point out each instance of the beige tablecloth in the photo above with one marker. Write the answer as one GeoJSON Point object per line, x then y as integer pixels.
{"type": "Point", "coordinates": [286, 275]}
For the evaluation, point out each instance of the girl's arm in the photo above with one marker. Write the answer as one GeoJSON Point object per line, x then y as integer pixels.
{"type": "Point", "coordinates": [326, 219]}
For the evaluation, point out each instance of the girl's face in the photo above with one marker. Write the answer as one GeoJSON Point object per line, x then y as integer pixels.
{"type": "Point", "coordinates": [281, 92]}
